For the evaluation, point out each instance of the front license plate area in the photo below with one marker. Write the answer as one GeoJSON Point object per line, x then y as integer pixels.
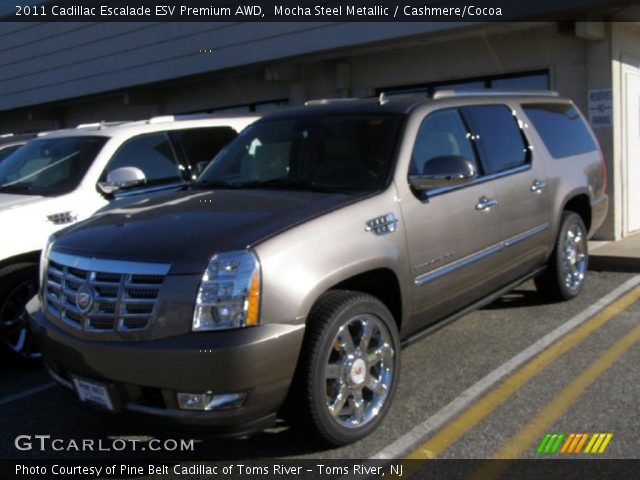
{"type": "Point", "coordinates": [93, 392]}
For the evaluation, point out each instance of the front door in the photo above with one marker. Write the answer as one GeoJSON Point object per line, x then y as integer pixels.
{"type": "Point", "coordinates": [453, 234]}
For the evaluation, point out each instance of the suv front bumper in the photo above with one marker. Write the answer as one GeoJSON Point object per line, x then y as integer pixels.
{"type": "Point", "coordinates": [146, 376]}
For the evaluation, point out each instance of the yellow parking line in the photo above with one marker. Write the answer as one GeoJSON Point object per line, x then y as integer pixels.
{"type": "Point", "coordinates": [492, 400]}
{"type": "Point", "coordinates": [561, 403]}
{"type": "Point", "coordinates": [515, 447]}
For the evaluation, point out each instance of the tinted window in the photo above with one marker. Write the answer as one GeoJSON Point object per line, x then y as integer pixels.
{"type": "Point", "coordinates": [441, 133]}
{"type": "Point", "coordinates": [561, 128]}
{"type": "Point", "coordinates": [499, 139]}
{"type": "Point", "coordinates": [152, 154]}
{"type": "Point", "coordinates": [337, 152]}
{"type": "Point", "coordinates": [53, 166]}
{"type": "Point", "coordinates": [202, 144]}
{"type": "Point", "coordinates": [5, 152]}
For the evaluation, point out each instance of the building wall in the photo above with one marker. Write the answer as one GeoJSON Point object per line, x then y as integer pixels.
{"type": "Point", "coordinates": [625, 54]}
{"type": "Point", "coordinates": [357, 68]}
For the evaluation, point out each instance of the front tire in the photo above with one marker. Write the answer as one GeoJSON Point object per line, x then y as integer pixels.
{"type": "Point", "coordinates": [18, 284]}
{"type": "Point", "coordinates": [567, 269]}
{"type": "Point", "coordinates": [349, 367]}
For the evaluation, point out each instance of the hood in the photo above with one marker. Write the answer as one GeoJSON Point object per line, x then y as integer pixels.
{"type": "Point", "coordinates": [186, 228]}
{"type": "Point", "coordinates": [11, 200]}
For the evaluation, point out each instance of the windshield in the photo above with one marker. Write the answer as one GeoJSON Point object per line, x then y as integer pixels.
{"type": "Point", "coordinates": [334, 153]}
{"type": "Point", "coordinates": [52, 166]}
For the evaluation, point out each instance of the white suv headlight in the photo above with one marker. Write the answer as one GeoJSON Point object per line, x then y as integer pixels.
{"type": "Point", "coordinates": [229, 293]}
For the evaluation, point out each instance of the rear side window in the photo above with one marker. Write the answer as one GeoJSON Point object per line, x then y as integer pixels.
{"type": "Point", "coordinates": [441, 133]}
{"type": "Point", "coordinates": [561, 128]}
{"type": "Point", "coordinates": [202, 144]}
{"type": "Point", "coordinates": [498, 137]}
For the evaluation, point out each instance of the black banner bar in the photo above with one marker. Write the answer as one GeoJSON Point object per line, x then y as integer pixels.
{"type": "Point", "coordinates": [316, 11]}
{"type": "Point", "coordinates": [565, 469]}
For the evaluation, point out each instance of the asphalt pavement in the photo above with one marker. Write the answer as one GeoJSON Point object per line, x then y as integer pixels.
{"type": "Point", "coordinates": [461, 395]}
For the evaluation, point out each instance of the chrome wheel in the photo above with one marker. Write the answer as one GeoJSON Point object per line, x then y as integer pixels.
{"type": "Point", "coordinates": [15, 322]}
{"type": "Point", "coordinates": [574, 257]}
{"type": "Point", "coordinates": [359, 371]}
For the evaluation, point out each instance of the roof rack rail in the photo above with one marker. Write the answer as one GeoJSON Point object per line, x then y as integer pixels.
{"type": "Point", "coordinates": [326, 101]}
{"type": "Point", "coordinates": [493, 93]}
{"type": "Point", "coordinates": [98, 125]}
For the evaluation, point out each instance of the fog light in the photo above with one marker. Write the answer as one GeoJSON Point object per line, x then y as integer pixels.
{"type": "Point", "coordinates": [209, 401]}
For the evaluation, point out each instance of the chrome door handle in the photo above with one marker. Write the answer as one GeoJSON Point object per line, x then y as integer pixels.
{"type": "Point", "coordinates": [484, 204]}
{"type": "Point", "coordinates": [537, 186]}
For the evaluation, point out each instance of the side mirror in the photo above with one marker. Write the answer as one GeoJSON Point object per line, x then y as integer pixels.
{"type": "Point", "coordinates": [444, 171]}
{"type": "Point", "coordinates": [123, 177]}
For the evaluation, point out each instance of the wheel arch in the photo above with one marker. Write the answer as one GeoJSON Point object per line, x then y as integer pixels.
{"type": "Point", "coordinates": [381, 282]}
{"type": "Point", "coordinates": [29, 257]}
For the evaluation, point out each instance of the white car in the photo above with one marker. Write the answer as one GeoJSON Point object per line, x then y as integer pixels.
{"type": "Point", "coordinates": [65, 176]}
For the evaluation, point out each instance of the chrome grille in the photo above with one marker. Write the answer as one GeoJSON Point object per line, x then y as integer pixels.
{"type": "Point", "coordinates": [122, 295]}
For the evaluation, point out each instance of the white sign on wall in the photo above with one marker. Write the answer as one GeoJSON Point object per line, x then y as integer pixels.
{"type": "Point", "coordinates": [600, 107]}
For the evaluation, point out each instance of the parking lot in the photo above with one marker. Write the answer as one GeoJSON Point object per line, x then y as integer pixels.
{"type": "Point", "coordinates": [492, 383]}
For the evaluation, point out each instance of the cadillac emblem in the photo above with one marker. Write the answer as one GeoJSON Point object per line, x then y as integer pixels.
{"type": "Point", "coordinates": [85, 298]}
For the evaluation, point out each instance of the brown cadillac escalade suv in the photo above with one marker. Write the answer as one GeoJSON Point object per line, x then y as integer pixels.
{"type": "Point", "coordinates": [286, 279]}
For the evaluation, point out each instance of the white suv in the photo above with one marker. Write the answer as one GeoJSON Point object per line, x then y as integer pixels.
{"type": "Point", "coordinates": [65, 176]}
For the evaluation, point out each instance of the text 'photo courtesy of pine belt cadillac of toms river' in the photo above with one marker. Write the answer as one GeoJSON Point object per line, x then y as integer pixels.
{"type": "Point", "coordinates": [283, 282]}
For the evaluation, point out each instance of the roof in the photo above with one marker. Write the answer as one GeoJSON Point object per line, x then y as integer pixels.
{"type": "Point", "coordinates": [156, 124]}
{"type": "Point", "coordinates": [400, 104]}
{"type": "Point", "coordinates": [16, 139]}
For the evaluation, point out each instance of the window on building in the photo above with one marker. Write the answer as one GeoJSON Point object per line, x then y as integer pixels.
{"type": "Point", "coordinates": [153, 154]}
{"type": "Point", "coordinates": [537, 80]}
{"type": "Point", "coordinates": [499, 140]}
{"type": "Point", "coordinates": [561, 127]}
{"type": "Point", "coordinates": [441, 133]}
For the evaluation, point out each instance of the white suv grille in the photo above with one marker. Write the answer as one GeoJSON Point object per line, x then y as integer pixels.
{"type": "Point", "coordinates": [102, 295]}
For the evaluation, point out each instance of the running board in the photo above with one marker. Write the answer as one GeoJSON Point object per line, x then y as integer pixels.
{"type": "Point", "coordinates": [431, 329]}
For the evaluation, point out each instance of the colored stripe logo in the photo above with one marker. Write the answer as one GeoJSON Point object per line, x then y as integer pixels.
{"type": "Point", "coordinates": [573, 443]}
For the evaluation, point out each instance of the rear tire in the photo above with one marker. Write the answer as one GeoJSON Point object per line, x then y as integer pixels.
{"type": "Point", "coordinates": [349, 368]}
{"type": "Point", "coordinates": [567, 268]}
{"type": "Point", "coordinates": [18, 284]}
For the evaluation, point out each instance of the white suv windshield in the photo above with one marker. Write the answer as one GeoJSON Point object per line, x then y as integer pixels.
{"type": "Point", "coordinates": [52, 166]}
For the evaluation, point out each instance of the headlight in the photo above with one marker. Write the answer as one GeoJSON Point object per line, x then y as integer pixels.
{"type": "Point", "coordinates": [44, 260]}
{"type": "Point", "coordinates": [229, 293]}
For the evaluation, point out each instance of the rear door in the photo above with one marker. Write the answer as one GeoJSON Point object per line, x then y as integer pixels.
{"type": "Point", "coordinates": [520, 183]}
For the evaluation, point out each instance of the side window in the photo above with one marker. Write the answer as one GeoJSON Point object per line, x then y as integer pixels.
{"type": "Point", "coordinates": [498, 137]}
{"type": "Point", "coordinates": [202, 144]}
{"type": "Point", "coordinates": [152, 154]}
{"type": "Point", "coordinates": [561, 128]}
{"type": "Point", "coordinates": [441, 133]}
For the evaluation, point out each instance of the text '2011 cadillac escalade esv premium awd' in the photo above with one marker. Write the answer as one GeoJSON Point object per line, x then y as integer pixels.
{"type": "Point", "coordinates": [286, 278]}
